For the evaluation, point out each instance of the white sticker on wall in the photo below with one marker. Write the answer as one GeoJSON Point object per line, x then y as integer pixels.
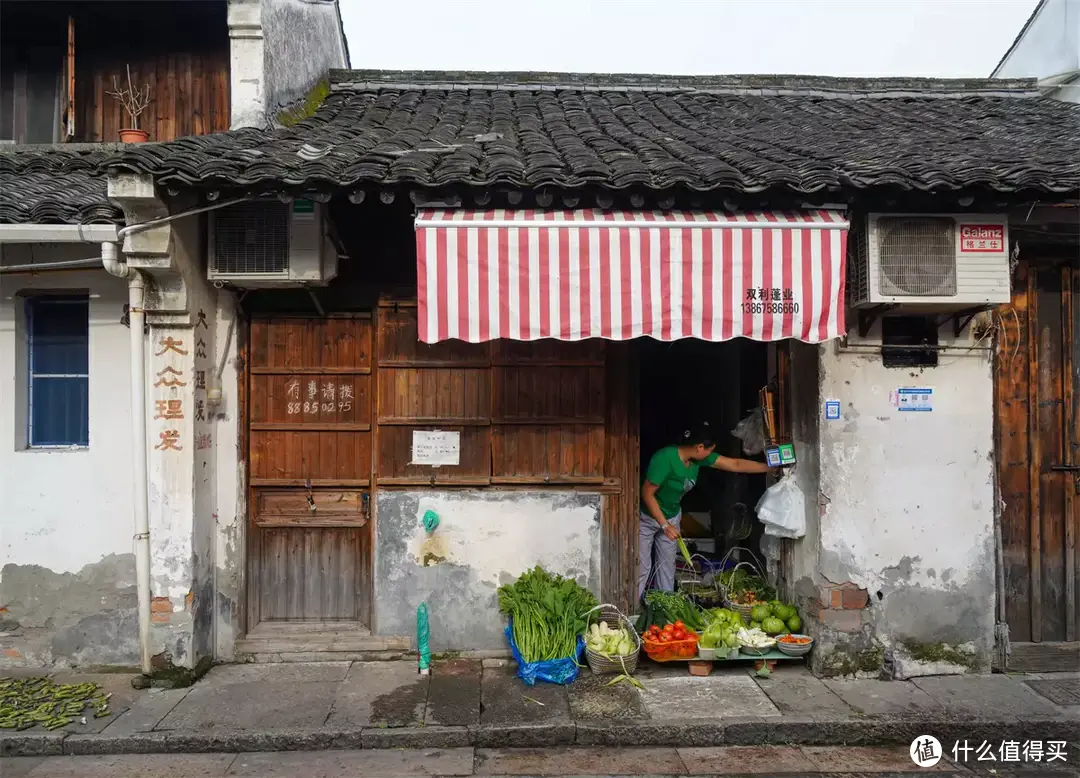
{"type": "Point", "coordinates": [435, 448]}
{"type": "Point", "coordinates": [832, 410]}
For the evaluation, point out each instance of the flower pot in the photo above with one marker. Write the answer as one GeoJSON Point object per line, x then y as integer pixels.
{"type": "Point", "coordinates": [134, 136]}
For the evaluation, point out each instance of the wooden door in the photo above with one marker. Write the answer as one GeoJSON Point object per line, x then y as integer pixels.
{"type": "Point", "coordinates": [309, 432]}
{"type": "Point", "coordinates": [1038, 429]}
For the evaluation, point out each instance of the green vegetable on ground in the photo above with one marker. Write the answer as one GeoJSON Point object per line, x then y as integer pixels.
{"type": "Point", "coordinates": [27, 702]}
{"type": "Point", "coordinates": [548, 612]}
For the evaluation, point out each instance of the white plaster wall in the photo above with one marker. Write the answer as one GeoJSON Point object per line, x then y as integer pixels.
{"type": "Point", "coordinates": [230, 506]}
{"type": "Point", "coordinates": [485, 539]}
{"type": "Point", "coordinates": [67, 509]}
{"type": "Point", "coordinates": [1050, 46]}
{"type": "Point", "coordinates": [908, 497]}
{"type": "Point", "coordinates": [279, 49]}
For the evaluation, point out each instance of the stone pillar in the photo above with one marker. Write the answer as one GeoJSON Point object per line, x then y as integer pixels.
{"type": "Point", "coordinates": [181, 316]}
{"type": "Point", "coordinates": [246, 64]}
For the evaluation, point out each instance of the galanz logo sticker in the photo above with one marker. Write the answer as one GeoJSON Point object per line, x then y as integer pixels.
{"type": "Point", "coordinates": [982, 238]}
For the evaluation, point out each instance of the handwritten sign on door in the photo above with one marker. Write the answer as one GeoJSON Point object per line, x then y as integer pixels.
{"type": "Point", "coordinates": [435, 448]}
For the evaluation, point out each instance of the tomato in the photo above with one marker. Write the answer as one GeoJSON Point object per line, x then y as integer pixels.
{"type": "Point", "coordinates": [669, 628]}
{"type": "Point", "coordinates": [679, 634]}
{"type": "Point", "coordinates": [665, 638]}
{"type": "Point", "coordinates": [679, 625]}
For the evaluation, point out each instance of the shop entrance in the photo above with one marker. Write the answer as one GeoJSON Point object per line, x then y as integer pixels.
{"type": "Point", "coordinates": [692, 381]}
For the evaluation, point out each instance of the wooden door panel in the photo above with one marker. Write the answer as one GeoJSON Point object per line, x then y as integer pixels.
{"type": "Point", "coordinates": [1038, 442]}
{"type": "Point", "coordinates": [310, 574]}
{"type": "Point", "coordinates": [309, 437]}
{"type": "Point", "coordinates": [1048, 532]}
{"type": "Point", "coordinates": [306, 398]}
{"type": "Point", "coordinates": [327, 456]}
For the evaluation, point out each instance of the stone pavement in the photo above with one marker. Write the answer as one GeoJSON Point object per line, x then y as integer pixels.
{"type": "Point", "coordinates": [465, 703]}
{"type": "Point", "coordinates": [729, 761]}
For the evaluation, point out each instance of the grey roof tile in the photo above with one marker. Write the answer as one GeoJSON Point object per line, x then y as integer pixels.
{"type": "Point", "coordinates": [736, 132]}
{"type": "Point", "coordinates": [55, 185]}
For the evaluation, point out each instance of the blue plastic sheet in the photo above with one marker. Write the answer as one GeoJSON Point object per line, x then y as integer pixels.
{"type": "Point", "coordinates": [560, 671]}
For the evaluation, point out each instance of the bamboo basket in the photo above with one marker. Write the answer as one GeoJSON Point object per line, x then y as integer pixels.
{"type": "Point", "coordinates": [604, 665]}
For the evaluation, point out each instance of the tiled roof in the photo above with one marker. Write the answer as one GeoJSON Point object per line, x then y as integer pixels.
{"type": "Point", "coordinates": [55, 185]}
{"type": "Point", "coordinates": [748, 133]}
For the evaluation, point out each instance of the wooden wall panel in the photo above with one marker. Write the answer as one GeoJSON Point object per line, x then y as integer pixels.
{"type": "Point", "coordinates": [434, 394]}
{"type": "Point", "coordinates": [395, 454]}
{"type": "Point", "coordinates": [399, 342]}
{"type": "Point", "coordinates": [566, 453]}
{"type": "Point", "coordinates": [1012, 404]}
{"type": "Point", "coordinates": [549, 393]}
{"type": "Point", "coordinates": [185, 64]}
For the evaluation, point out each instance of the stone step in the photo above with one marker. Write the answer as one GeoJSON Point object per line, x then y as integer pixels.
{"type": "Point", "coordinates": [340, 641]}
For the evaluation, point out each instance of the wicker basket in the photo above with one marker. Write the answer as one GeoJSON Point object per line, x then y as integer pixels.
{"type": "Point", "coordinates": [601, 664]}
{"type": "Point", "coordinates": [743, 610]}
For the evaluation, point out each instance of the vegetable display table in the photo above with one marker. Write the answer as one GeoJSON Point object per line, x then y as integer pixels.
{"type": "Point", "coordinates": [699, 666]}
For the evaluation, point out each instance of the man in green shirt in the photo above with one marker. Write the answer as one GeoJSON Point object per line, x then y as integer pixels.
{"type": "Point", "coordinates": [673, 471]}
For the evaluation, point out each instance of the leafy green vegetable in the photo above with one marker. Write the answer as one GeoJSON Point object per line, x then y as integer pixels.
{"type": "Point", "coordinates": [548, 612]}
{"type": "Point", "coordinates": [673, 607]}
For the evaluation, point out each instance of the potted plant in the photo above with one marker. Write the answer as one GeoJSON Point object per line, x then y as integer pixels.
{"type": "Point", "coordinates": [134, 101]}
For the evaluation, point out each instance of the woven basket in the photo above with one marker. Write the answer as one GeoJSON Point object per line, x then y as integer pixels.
{"type": "Point", "coordinates": [601, 664]}
{"type": "Point", "coordinates": [743, 610]}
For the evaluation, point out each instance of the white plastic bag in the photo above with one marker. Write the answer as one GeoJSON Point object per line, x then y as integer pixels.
{"type": "Point", "coordinates": [782, 509]}
{"type": "Point", "coordinates": [751, 431]}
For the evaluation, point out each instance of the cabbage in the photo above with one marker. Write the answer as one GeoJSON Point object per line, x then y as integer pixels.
{"type": "Point", "coordinates": [759, 613]}
{"type": "Point", "coordinates": [794, 624]}
{"type": "Point", "coordinates": [773, 626]}
{"type": "Point", "coordinates": [783, 612]}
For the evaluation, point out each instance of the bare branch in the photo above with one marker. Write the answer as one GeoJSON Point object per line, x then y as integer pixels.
{"type": "Point", "coordinates": [134, 100]}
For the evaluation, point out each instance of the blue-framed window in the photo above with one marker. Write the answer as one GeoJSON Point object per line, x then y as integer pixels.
{"type": "Point", "coordinates": [58, 335]}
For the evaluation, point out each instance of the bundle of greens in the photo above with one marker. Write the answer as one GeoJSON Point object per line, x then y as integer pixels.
{"type": "Point", "coordinates": [668, 607]}
{"type": "Point", "coordinates": [547, 612]}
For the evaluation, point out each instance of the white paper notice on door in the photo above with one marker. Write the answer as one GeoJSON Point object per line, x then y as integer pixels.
{"type": "Point", "coordinates": [436, 448]}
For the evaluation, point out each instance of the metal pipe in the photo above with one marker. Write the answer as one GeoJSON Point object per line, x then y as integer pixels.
{"type": "Point", "coordinates": [38, 267]}
{"type": "Point", "coordinates": [132, 229]}
{"type": "Point", "coordinates": [137, 314]}
{"type": "Point", "coordinates": [112, 262]}
{"type": "Point", "coordinates": [136, 333]}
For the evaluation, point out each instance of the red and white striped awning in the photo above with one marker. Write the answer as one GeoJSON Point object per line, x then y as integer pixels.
{"type": "Point", "coordinates": [571, 275]}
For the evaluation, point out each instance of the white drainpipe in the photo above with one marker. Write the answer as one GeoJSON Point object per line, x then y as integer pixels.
{"type": "Point", "coordinates": [137, 323]}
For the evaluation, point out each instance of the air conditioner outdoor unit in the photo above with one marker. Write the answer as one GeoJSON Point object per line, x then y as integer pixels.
{"type": "Point", "coordinates": [271, 244]}
{"type": "Point", "coordinates": [932, 261]}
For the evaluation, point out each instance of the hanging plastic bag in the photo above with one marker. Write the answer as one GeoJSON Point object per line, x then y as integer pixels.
{"type": "Point", "coordinates": [561, 671]}
{"type": "Point", "coordinates": [751, 431]}
{"type": "Point", "coordinates": [782, 509]}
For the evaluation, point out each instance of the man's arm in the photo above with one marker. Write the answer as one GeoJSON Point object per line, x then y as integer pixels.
{"type": "Point", "coordinates": [740, 465]}
{"type": "Point", "coordinates": [648, 496]}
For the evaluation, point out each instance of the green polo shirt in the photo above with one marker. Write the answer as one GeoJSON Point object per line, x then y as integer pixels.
{"type": "Point", "coordinates": [674, 479]}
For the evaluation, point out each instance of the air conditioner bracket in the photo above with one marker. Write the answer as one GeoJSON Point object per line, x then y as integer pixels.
{"type": "Point", "coordinates": [961, 319]}
{"type": "Point", "coordinates": [867, 317]}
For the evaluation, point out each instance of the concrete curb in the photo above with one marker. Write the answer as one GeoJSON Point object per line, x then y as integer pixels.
{"type": "Point", "coordinates": [851, 731]}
